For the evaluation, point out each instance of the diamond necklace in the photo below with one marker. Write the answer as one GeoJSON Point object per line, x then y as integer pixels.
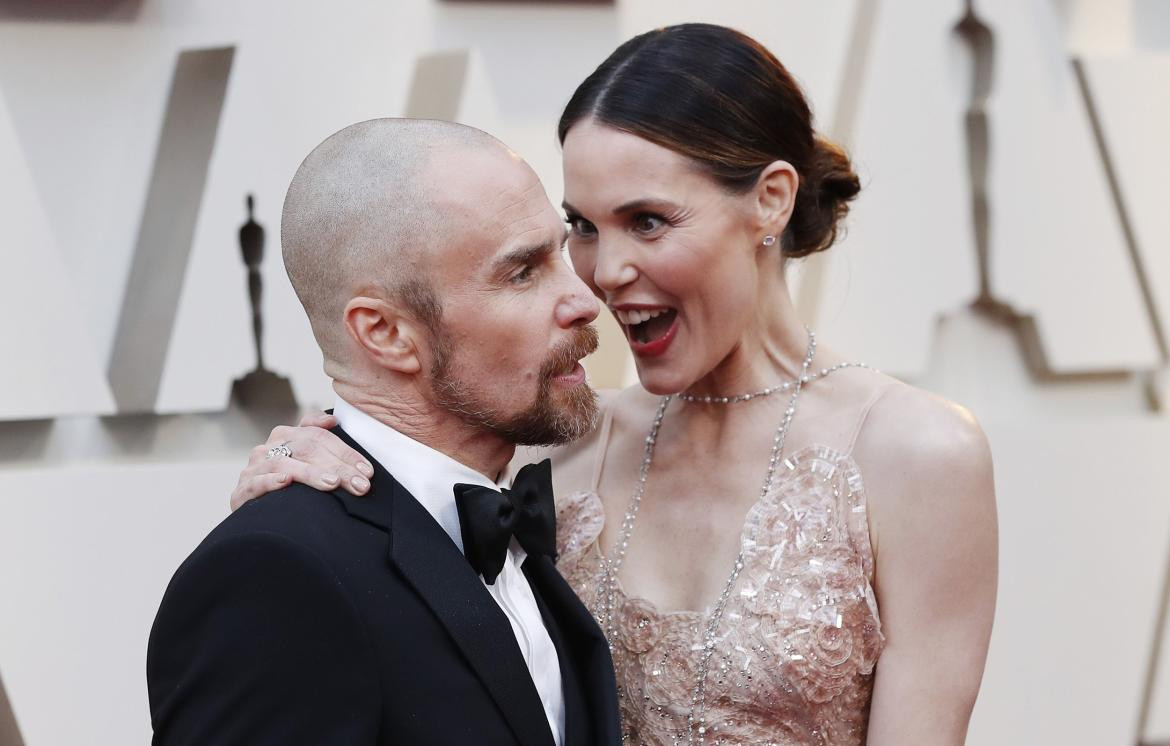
{"type": "Point", "coordinates": [696, 723]}
{"type": "Point", "coordinates": [711, 399]}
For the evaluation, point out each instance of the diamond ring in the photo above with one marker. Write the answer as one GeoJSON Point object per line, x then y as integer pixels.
{"type": "Point", "coordinates": [280, 450]}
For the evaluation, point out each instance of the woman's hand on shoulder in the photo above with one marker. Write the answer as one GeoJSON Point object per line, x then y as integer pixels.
{"type": "Point", "coordinates": [319, 459]}
{"type": "Point", "coordinates": [928, 473]}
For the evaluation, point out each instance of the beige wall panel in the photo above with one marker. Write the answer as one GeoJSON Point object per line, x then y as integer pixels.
{"type": "Point", "coordinates": [1084, 539]}
{"type": "Point", "coordinates": [1158, 723]}
{"type": "Point", "coordinates": [811, 39]}
{"type": "Point", "coordinates": [87, 101]}
{"type": "Point", "coordinates": [532, 57]}
{"type": "Point", "coordinates": [1058, 251]}
{"type": "Point", "coordinates": [908, 253]}
{"type": "Point", "coordinates": [1131, 96]}
{"type": "Point", "coordinates": [87, 552]}
{"type": "Point", "coordinates": [1097, 26]}
{"type": "Point", "coordinates": [50, 367]}
{"type": "Point", "coordinates": [287, 92]}
{"type": "Point", "coordinates": [979, 363]}
{"type": "Point", "coordinates": [1084, 529]}
{"type": "Point", "coordinates": [1151, 24]}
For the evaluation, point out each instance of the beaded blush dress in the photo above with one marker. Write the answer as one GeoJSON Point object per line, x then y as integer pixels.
{"type": "Point", "coordinates": [796, 646]}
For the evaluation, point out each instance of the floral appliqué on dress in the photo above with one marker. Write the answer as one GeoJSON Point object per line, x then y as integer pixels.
{"type": "Point", "coordinates": [799, 638]}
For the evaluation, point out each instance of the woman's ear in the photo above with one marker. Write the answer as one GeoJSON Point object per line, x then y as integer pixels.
{"type": "Point", "coordinates": [388, 336]}
{"type": "Point", "coordinates": [776, 197]}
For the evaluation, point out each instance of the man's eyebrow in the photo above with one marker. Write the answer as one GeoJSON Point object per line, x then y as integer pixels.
{"type": "Point", "coordinates": [526, 254]}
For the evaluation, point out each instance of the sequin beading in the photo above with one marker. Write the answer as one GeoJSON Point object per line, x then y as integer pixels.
{"type": "Point", "coordinates": [795, 655]}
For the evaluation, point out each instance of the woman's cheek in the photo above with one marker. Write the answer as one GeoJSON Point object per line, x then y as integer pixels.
{"type": "Point", "coordinates": [584, 266]}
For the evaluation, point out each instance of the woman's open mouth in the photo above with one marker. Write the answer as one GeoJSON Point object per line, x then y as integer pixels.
{"type": "Point", "coordinates": [649, 330]}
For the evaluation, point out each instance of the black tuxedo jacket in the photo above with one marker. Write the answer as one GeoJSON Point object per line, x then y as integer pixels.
{"type": "Point", "coordinates": [313, 618]}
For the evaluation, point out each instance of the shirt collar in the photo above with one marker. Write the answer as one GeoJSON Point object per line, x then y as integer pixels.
{"type": "Point", "coordinates": [427, 474]}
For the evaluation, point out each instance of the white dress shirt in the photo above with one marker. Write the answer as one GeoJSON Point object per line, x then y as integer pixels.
{"type": "Point", "coordinates": [430, 476]}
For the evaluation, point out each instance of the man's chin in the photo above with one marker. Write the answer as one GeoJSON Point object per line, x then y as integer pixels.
{"type": "Point", "coordinates": [562, 417]}
{"type": "Point", "coordinates": [556, 415]}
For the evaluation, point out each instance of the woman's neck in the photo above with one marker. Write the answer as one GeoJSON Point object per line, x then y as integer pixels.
{"type": "Point", "coordinates": [771, 349]}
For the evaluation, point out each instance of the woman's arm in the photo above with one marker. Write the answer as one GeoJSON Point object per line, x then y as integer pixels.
{"type": "Point", "coordinates": [319, 459]}
{"type": "Point", "coordinates": [933, 527]}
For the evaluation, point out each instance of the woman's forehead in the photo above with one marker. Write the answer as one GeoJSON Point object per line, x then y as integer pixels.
{"type": "Point", "coordinates": [631, 169]}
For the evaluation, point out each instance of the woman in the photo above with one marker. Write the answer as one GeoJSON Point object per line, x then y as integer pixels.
{"type": "Point", "coordinates": [737, 521]}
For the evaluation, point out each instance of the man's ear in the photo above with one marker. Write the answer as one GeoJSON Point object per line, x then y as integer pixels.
{"type": "Point", "coordinates": [391, 338]}
{"type": "Point", "coordinates": [776, 197]}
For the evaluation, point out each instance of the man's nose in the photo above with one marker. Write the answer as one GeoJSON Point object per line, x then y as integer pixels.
{"type": "Point", "coordinates": [578, 306]}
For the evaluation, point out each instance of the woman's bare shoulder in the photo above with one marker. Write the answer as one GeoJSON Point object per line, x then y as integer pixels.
{"type": "Point", "coordinates": [926, 462]}
{"type": "Point", "coordinates": [907, 423]}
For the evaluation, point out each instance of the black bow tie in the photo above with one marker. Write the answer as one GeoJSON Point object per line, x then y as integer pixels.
{"type": "Point", "coordinates": [489, 519]}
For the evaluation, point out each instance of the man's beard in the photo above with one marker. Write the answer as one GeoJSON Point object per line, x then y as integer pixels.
{"type": "Point", "coordinates": [546, 421]}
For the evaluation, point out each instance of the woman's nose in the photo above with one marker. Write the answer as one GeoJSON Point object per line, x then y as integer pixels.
{"type": "Point", "coordinates": [613, 269]}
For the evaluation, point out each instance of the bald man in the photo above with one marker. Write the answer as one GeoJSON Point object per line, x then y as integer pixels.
{"type": "Point", "coordinates": [428, 260]}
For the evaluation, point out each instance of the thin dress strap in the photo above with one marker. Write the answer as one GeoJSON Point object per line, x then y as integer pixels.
{"type": "Point", "coordinates": [602, 444]}
{"type": "Point", "coordinates": [877, 394]}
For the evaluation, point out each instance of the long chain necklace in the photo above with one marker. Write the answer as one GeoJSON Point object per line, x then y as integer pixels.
{"type": "Point", "coordinates": [696, 725]}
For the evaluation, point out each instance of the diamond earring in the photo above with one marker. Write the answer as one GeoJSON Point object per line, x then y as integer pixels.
{"type": "Point", "coordinates": [769, 240]}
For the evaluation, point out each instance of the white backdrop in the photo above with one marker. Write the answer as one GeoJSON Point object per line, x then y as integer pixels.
{"type": "Point", "coordinates": [97, 509]}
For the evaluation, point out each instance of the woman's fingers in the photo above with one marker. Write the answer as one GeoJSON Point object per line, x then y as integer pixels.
{"type": "Point", "coordinates": [319, 459]}
{"type": "Point", "coordinates": [280, 434]}
{"type": "Point", "coordinates": [323, 449]}
{"type": "Point", "coordinates": [255, 486]}
{"type": "Point", "coordinates": [355, 465]}
{"type": "Point", "coordinates": [318, 419]}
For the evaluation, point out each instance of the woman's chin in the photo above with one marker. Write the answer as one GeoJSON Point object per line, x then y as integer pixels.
{"type": "Point", "coordinates": [661, 382]}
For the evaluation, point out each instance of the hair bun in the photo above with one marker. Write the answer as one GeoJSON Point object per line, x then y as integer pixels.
{"type": "Point", "coordinates": [822, 200]}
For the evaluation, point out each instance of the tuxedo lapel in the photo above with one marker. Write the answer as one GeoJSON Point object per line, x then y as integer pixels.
{"type": "Point", "coordinates": [442, 577]}
{"type": "Point", "coordinates": [584, 650]}
{"type": "Point", "coordinates": [577, 724]}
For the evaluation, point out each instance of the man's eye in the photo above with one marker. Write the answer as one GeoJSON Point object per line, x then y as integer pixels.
{"type": "Point", "coordinates": [580, 226]}
{"type": "Point", "coordinates": [523, 275]}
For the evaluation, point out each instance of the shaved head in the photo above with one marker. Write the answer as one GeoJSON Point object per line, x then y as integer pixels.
{"type": "Point", "coordinates": [362, 216]}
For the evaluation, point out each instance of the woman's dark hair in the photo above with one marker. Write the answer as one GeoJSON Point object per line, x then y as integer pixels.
{"type": "Point", "coordinates": [720, 98]}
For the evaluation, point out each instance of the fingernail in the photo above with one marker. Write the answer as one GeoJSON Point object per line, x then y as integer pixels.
{"type": "Point", "coordinates": [361, 484]}
{"type": "Point", "coordinates": [329, 478]}
{"type": "Point", "coordinates": [365, 468]}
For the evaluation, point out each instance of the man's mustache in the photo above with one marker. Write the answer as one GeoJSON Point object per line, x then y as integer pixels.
{"type": "Point", "coordinates": [583, 343]}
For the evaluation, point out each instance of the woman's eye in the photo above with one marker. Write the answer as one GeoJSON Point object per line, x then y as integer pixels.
{"type": "Point", "coordinates": [580, 226]}
{"type": "Point", "coordinates": [646, 223]}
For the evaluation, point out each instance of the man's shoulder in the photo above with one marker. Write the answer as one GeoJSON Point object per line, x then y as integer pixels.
{"type": "Point", "coordinates": [286, 509]}
{"type": "Point", "coordinates": [294, 520]}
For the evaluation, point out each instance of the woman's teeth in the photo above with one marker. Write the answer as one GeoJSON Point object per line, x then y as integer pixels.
{"type": "Point", "coordinates": [647, 325]}
{"type": "Point", "coordinates": [630, 318]}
